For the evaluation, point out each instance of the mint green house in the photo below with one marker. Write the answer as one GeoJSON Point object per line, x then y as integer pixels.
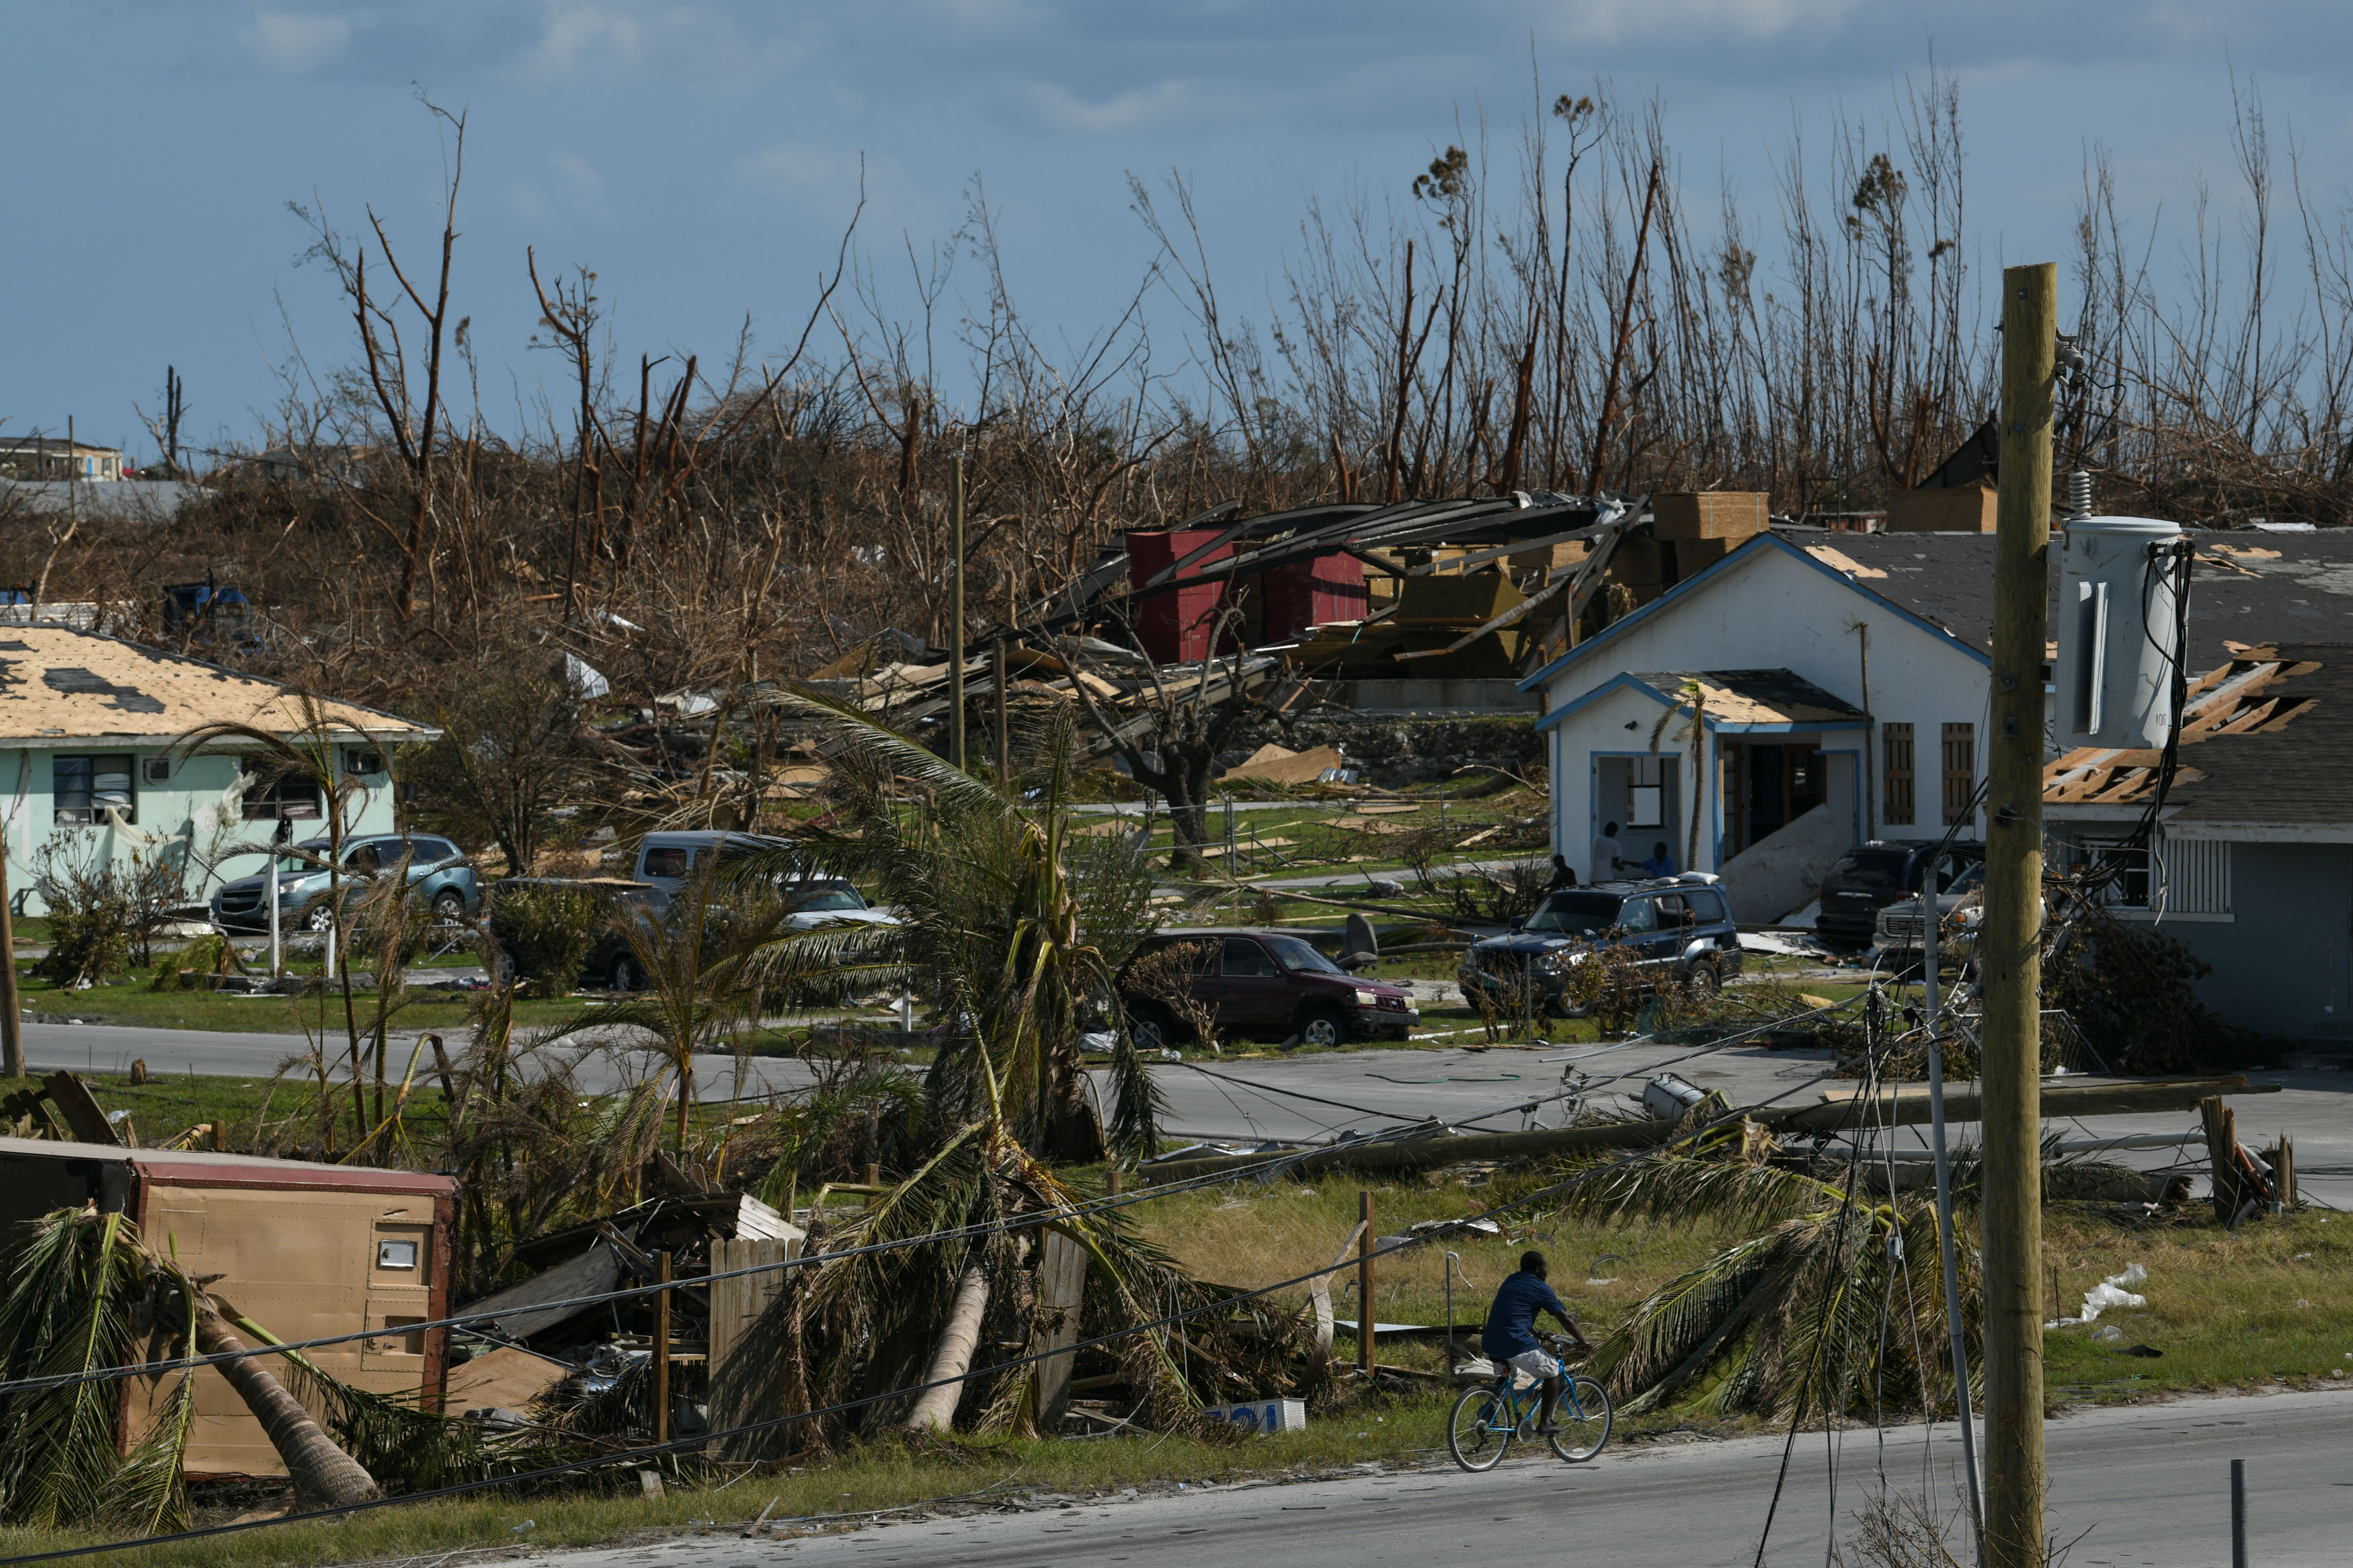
{"type": "Point", "coordinates": [93, 768]}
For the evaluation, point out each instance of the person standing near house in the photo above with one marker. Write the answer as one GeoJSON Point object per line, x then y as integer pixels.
{"type": "Point", "coordinates": [1609, 855]}
{"type": "Point", "coordinates": [1661, 862]}
{"type": "Point", "coordinates": [1562, 876]}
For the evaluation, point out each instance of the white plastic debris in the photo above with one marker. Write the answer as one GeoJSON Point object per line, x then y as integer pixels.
{"type": "Point", "coordinates": [2112, 1292]}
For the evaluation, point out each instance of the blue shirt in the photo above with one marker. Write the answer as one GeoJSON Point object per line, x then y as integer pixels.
{"type": "Point", "coordinates": [1521, 1298]}
{"type": "Point", "coordinates": [1660, 865]}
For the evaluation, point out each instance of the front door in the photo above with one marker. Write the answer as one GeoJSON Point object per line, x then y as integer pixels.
{"type": "Point", "coordinates": [1255, 998]}
{"type": "Point", "coordinates": [1779, 782]}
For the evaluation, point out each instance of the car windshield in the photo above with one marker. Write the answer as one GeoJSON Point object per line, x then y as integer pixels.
{"type": "Point", "coordinates": [1296, 954]}
{"type": "Point", "coordinates": [1577, 914]}
{"type": "Point", "coordinates": [1968, 881]}
{"type": "Point", "coordinates": [832, 898]}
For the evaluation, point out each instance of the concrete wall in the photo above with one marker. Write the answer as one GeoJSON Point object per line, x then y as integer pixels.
{"type": "Point", "coordinates": [192, 819]}
{"type": "Point", "coordinates": [2281, 949]}
{"type": "Point", "coordinates": [1766, 610]}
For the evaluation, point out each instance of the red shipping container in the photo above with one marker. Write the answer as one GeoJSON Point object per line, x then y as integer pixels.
{"type": "Point", "coordinates": [1175, 626]}
{"type": "Point", "coordinates": [1303, 593]}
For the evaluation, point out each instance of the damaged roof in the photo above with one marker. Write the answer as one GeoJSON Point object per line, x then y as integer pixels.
{"type": "Point", "coordinates": [2246, 588]}
{"type": "Point", "coordinates": [2264, 739]}
{"type": "Point", "coordinates": [58, 684]}
{"type": "Point", "coordinates": [1731, 699]}
{"type": "Point", "coordinates": [1753, 696]}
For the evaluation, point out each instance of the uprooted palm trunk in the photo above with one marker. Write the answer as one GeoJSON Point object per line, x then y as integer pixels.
{"type": "Point", "coordinates": [935, 1410]}
{"type": "Point", "coordinates": [86, 1295]}
{"type": "Point", "coordinates": [323, 1475]}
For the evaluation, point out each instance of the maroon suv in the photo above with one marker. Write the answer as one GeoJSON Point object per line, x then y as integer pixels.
{"type": "Point", "coordinates": [1266, 985]}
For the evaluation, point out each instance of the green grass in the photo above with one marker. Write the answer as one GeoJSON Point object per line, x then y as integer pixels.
{"type": "Point", "coordinates": [130, 1001]}
{"type": "Point", "coordinates": [2271, 1302]}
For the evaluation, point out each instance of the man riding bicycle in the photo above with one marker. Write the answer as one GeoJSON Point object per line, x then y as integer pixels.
{"type": "Point", "coordinates": [1509, 1339]}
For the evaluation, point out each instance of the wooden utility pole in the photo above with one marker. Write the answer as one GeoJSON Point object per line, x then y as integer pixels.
{"type": "Point", "coordinates": [956, 616]}
{"type": "Point", "coordinates": [1004, 745]}
{"type": "Point", "coordinates": [2011, 1050]}
{"type": "Point", "coordinates": [661, 1348]}
{"type": "Point", "coordinates": [1365, 1284]}
{"type": "Point", "coordinates": [12, 1023]}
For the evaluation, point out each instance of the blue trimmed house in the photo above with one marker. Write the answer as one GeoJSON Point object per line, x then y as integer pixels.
{"type": "Point", "coordinates": [1829, 714]}
{"type": "Point", "coordinates": [101, 777]}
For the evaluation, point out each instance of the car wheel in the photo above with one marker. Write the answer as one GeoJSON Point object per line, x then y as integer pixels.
{"type": "Point", "coordinates": [625, 976]}
{"type": "Point", "coordinates": [1151, 1028]}
{"type": "Point", "coordinates": [1703, 977]}
{"type": "Point", "coordinates": [449, 904]}
{"type": "Point", "coordinates": [1322, 1027]}
{"type": "Point", "coordinates": [322, 918]}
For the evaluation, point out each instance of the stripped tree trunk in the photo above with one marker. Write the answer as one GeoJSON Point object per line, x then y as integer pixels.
{"type": "Point", "coordinates": [322, 1473]}
{"type": "Point", "coordinates": [935, 1410]}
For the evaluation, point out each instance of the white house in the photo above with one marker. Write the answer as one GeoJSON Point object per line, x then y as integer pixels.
{"type": "Point", "coordinates": [1829, 713]}
{"type": "Point", "coordinates": [91, 766]}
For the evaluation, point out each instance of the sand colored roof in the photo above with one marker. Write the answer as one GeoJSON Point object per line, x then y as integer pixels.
{"type": "Point", "coordinates": [1753, 696]}
{"type": "Point", "coordinates": [61, 685]}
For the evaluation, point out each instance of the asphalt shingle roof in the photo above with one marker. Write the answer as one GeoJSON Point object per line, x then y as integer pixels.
{"type": "Point", "coordinates": [2246, 588]}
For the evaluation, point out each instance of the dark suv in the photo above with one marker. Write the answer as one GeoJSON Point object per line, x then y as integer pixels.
{"type": "Point", "coordinates": [1872, 876]}
{"type": "Point", "coordinates": [1266, 985]}
{"type": "Point", "coordinates": [1679, 928]}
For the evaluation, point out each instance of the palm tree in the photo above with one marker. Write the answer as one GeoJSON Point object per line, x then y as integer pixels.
{"type": "Point", "coordinates": [307, 753]}
{"type": "Point", "coordinates": [700, 961]}
{"type": "Point", "coordinates": [1817, 1311]}
{"type": "Point", "coordinates": [1013, 926]}
{"type": "Point", "coordinates": [86, 1295]}
{"type": "Point", "coordinates": [1693, 697]}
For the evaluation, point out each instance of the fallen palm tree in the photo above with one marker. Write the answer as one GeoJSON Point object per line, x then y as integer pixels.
{"type": "Point", "coordinates": [88, 1297]}
{"type": "Point", "coordinates": [1820, 1309]}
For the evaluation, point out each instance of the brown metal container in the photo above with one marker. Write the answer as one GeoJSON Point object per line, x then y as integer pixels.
{"type": "Point", "coordinates": [304, 1250]}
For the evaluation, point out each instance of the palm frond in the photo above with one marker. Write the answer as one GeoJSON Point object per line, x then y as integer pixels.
{"type": "Point", "coordinates": [68, 1312]}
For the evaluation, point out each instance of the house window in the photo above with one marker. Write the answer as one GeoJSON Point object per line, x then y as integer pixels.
{"type": "Point", "coordinates": [93, 789]}
{"type": "Point", "coordinates": [2123, 871]}
{"type": "Point", "coordinates": [290, 797]}
{"type": "Point", "coordinates": [155, 770]}
{"type": "Point", "coordinates": [2186, 877]}
{"type": "Point", "coordinates": [1960, 773]}
{"type": "Point", "coordinates": [1895, 750]}
{"type": "Point", "coordinates": [363, 760]}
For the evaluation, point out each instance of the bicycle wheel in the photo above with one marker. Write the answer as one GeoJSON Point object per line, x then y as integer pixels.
{"type": "Point", "coordinates": [1479, 1430]}
{"type": "Point", "coordinates": [1584, 1420]}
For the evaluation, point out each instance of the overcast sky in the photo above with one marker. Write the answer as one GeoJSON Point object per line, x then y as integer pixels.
{"type": "Point", "coordinates": [702, 154]}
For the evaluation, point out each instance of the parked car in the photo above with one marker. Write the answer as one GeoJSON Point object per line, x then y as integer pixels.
{"type": "Point", "coordinates": [1872, 876]}
{"type": "Point", "coordinates": [439, 877]}
{"type": "Point", "coordinates": [668, 862]}
{"type": "Point", "coordinates": [1267, 985]}
{"type": "Point", "coordinates": [1899, 935]}
{"type": "Point", "coordinates": [1677, 928]}
{"type": "Point", "coordinates": [830, 902]}
{"type": "Point", "coordinates": [611, 962]}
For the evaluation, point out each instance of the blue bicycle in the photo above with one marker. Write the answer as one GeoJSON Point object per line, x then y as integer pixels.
{"type": "Point", "coordinates": [1490, 1414]}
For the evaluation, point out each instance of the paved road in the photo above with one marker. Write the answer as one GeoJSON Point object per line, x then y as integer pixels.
{"type": "Point", "coordinates": [2142, 1486]}
{"type": "Point", "coordinates": [1492, 1089]}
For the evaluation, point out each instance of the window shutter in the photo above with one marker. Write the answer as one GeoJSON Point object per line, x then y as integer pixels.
{"type": "Point", "coordinates": [1960, 771]}
{"type": "Point", "coordinates": [1896, 745]}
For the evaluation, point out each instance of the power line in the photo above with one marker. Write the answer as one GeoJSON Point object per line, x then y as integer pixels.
{"type": "Point", "coordinates": [652, 1450]}
{"type": "Point", "coordinates": [463, 1321]}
